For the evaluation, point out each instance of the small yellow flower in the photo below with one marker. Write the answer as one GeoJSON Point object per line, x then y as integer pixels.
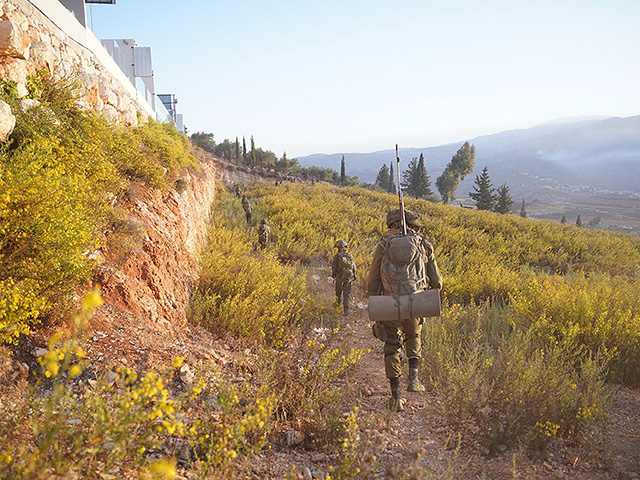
{"type": "Point", "coordinates": [165, 468]}
{"type": "Point", "coordinates": [177, 362]}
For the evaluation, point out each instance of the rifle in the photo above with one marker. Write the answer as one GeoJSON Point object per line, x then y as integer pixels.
{"type": "Point", "coordinates": [400, 198]}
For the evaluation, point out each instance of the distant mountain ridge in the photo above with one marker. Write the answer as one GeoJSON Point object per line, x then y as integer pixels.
{"type": "Point", "coordinates": [596, 153]}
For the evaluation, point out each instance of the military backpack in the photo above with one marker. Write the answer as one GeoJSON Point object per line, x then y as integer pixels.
{"type": "Point", "coordinates": [346, 266]}
{"type": "Point", "coordinates": [403, 267]}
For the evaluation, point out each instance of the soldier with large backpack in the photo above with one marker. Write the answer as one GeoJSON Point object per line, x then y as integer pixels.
{"type": "Point", "coordinates": [343, 271]}
{"type": "Point", "coordinates": [403, 264]}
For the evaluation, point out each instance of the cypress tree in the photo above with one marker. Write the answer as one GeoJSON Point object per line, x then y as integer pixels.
{"type": "Point", "coordinates": [523, 210]}
{"type": "Point", "coordinates": [343, 175]}
{"type": "Point", "coordinates": [244, 151]}
{"type": "Point", "coordinates": [392, 179]}
{"type": "Point", "coordinates": [253, 152]}
{"type": "Point", "coordinates": [237, 150]}
{"type": "Point", "coordinates": [483, 191]}
{"type": "Point", "coordinates": [579, 221]}
{"type": "Point", "coordinates": [563, 220]}
{"type": "Point", "coordinates": [505, 202]}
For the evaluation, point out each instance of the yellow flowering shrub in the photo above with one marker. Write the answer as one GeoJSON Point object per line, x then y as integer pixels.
{"type": "Point", "coordinates": [597, 311]}
{"type": "Point", "coordinates": [245, 293]}
{"type": "Point", "coordinates": [63, 426]}
{"type": "Point", "coordinates": [60, 172]}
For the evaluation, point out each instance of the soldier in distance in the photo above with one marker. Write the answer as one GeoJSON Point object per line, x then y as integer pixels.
{"type": "Point", "coordinates": [343, 271]}
{"type": "Point", "coordinates": [263, 233]}
{"type": "Point", "coordinates": [389, 278]}
{"type": "Point", "coordinates": [246, 206]}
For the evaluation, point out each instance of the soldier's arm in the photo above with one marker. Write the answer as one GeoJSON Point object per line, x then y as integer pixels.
{"type": "Point", "coordinates": [334, 266]}
{"type": "Point", "coordinates": [374, 281]}
{"type": "Point", "coordinates": [435, 279]}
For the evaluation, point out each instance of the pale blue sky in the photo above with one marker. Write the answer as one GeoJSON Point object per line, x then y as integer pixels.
{"type": "Point", "coordinates": [357, 76]}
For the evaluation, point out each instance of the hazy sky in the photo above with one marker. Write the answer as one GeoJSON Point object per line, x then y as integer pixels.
{"type": "Point", "coordinates": [362, 75]}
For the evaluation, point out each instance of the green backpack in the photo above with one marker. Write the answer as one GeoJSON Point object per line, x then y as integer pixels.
{"type": "Point", "coordinates": [403, 268]}
{"type": "Point", "coordinates": [346, 266]}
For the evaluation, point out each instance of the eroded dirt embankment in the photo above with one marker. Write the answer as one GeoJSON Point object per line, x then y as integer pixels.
{"type": "Point", "coordinates": [147, 291]}
{"type": "Point", "coordinates": [155, 280]}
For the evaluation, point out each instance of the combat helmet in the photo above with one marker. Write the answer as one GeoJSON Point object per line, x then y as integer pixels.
{"type": "Point", "coordinates": [393, 216]}
{"type": "Point", "coordinates": [341, 244]}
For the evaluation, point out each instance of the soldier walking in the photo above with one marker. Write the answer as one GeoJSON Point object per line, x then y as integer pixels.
{"type": "Point", "coordinates": [388, 275]}
{"type": "Point", "coordinates": [263, 233]}
{"type": "Point", "coordinates": [343, 271]}
{"type": "Point", "coordinates": [246, 206]}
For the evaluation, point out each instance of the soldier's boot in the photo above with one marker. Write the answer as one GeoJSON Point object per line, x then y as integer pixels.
{"type": "Point", "coordinates": [414, 385]}
{"type": "Point", "coordinates": [396, 402]}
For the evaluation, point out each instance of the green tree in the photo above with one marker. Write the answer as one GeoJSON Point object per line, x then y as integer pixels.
{"type": "Point", "coordinates": [392, 179]}
{"type": "Point", "coordinates": [244, 151]}
{"type": "Point", "coordinates": [253, 152]}
{"type": "Point", "coordinates": [579, 221]}
{"type": "Point", "coordinates": [223, 150]}
{"type": "Point", "coordinates": [422, 181]}
{"type": "Point", "coordinates": [523, 210]}
{"type": "Point", "coordinates": [460, 166]}
{"type": "Point", "coordinates": [343, 175]}
{"type": "Point", "coordinates": [266, 158]}
{"type": "Point", "coordinates": [504, 202]}
{"type": "Point", "coordinates": [484, 193]}
{"type": "Point", "coordinates": [284, 165]}
{"type": "Point", "coordinates": [237, 151]}
{"type": "Point", "coordinates": [204, 141]}
{"type": "Point", "coordinates": [409, 178]}
{"type": "Point", "coordinates": [382, 180]}
{"type": "Point", "coordinates": [563, 220]}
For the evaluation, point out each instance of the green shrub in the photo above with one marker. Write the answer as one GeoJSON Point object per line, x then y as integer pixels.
{"type": "Point", "coordinates": [511, 383]}
{"type": "Point", "coordinates": [180, 185]}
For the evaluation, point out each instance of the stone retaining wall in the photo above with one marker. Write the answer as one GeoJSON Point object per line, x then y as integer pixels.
{"type": "Point", "coordinates": [30, 42]}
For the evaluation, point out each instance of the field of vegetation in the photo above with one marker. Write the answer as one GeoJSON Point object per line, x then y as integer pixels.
{"type": "Point", "coordinates": [537, 316]}
{"type": "Point", "coordinates": [62, 173]}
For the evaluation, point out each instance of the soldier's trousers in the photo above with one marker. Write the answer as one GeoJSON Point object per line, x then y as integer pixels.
{"type": "Point", "coordinates": [412, 340]}
{"type": "Point", "coordinates": [343, 291]}
{"type": "Point", "coordinates": [248, 215]}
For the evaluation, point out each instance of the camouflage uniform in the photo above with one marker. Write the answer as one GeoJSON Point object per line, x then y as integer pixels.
{"type": "Point", "coordinates": [342, 275]}
{"type": "Point", "coordinates": [263, 233]}
{"type": "Point", "coordinates": [246, 206]}
{"type": "Point", "coordinates": [411, 327]}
